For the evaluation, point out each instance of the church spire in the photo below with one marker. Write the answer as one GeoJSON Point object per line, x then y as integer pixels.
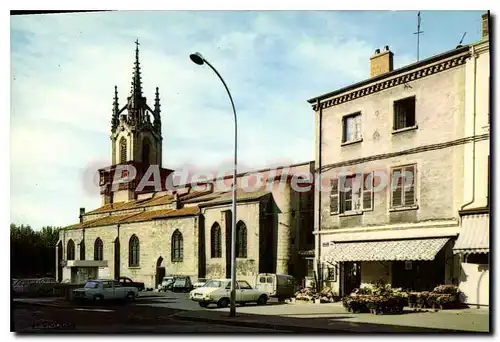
{"type": "Point", "coordinates": [156, 113]}
{"type": "Point", "coordinates": [114, 118]}
{"type": "Point", "coordinates": [136, 80]}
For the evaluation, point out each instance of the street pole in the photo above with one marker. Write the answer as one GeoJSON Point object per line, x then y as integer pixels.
{"type": "Point", "coordinates": [197, 58]}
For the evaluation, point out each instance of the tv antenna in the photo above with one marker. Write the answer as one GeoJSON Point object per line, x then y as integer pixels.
{"type": "Point", "coordinates": [461, 40]}
{"type": "Point", "coordinates": [418, 34]}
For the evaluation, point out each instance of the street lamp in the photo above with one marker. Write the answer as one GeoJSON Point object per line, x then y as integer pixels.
{"type": "Point", "coordinates": [197, 58]}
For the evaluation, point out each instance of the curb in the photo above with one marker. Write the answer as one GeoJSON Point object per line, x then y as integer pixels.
{"type": "Point", "coordinates": [311, 330]}
{"type": "Point", "coordinates": [262, 325]}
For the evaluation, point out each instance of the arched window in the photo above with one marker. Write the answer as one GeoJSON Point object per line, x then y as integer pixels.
{"type": "Point", "coordinates": [82, 250]}
{"type": "Point", "coordinates": [145, 150]}
{"type": "Point", "coordinates": [133, 251]}
{"type": "Point", "coordinates": [70, 250]}
{"type": "Point", "coordinates": [98, 249]}
{"type": "Point", "coordinates": [241, 240]}
{"type": "Point", "coordinates": [215, 241]}
{"type": "Point", "coordinates": [123, 150]}
{"type": "Point", "coordinates": [177, 247]}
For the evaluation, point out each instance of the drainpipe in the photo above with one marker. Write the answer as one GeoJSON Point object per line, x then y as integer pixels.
{"type": "Point", "coordinates": [320, 137]}
{"type": "Point", "coordinates": [474, 56]}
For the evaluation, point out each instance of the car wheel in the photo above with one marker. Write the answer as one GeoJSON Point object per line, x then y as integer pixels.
{"type": "Point", "coordinates": [262, 300]}
{"type": "Point", "coordinates": [98, 298]}
{"type": "Point", "coordinates": [130, 296]}
{"type": "Point", "coordinates": [203, 305]}
{"type": "Point", "coordinates": [223, 303]}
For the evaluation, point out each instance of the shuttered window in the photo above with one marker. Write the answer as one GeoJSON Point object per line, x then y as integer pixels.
{"type": "Point", "coordinates": [334, 196]}
{"type": "Point", "coordinates": [403, 186]}
{"type": "Point", "coordinates": [368, 191]}
{"type": "Point", "coordinates": [356, 194]}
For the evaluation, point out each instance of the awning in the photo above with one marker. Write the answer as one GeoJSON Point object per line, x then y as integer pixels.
{"type": "Point", "coordinates": [388, 250]}
{"type": "Point", "coordinates": [474, 236]}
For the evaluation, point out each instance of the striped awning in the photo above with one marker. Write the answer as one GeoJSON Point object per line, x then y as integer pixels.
{"type": "Point", "coordinates": [474, 236]}
{"type": "Point", "coordinates": [388, 250]}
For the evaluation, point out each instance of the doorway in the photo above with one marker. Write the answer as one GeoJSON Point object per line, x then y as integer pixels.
{"type": "Point", "coordinates": [160, 271]}
{"type": "Point", "coordinates": [351, 276]}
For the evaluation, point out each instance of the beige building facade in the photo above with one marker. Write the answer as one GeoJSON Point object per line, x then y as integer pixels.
{"type": "Point", "coordinates": [148, 232]}
{"type": "Point", "coordinates": [392, 156]}
{"type": "Point", "coordinates": [472, 245]}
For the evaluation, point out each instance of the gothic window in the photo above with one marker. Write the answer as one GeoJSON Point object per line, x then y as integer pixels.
{"type": "Point", "coordinates": [241, 240]}
{"type": "Point", "coordinates": [177, 247]}
{"type": "Point", "coordinates": [82, 250]}
{"type": "Point", "coordinates": [123, 150]}
{"type": "Point", "coordinates": [145, 150]}
{"type": "Point", "coordinates": [70, 250]}
{"type": "Point", "coordinates": [98, 249]}
{"type": "Point", "coordinates": [216, 241]}
{"type": "Point", "coordinates": [133, 251]}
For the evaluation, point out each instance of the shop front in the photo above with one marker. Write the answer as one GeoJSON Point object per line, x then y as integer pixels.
{"type": "Point", "coordinates": [417, 264]}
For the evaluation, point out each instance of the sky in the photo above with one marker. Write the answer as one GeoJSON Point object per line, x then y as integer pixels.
{"type": "Point", "coordinates": [64, 68]}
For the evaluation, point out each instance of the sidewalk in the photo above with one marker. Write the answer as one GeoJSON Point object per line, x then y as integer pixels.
{"type": "Point", "coordinates": [331, 318]}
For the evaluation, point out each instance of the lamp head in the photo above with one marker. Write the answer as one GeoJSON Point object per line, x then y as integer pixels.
{"type": "Point", "coordinates": [197, 58]}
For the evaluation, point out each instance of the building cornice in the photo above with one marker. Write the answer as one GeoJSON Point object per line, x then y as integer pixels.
{"type": "Point", "coordinates": [369, 87]}
{"type": "Point", "coordinates": [392, 227]}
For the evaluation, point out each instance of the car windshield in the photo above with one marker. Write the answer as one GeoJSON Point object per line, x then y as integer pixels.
{"type": "Point", "coordinates": [213, 283]}
{"type": "Point", "coordinates": [91, 285]}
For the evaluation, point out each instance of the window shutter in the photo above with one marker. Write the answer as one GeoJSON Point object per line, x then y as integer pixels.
{"type": "Point", "coordinates": [409, 185]}
{"type": "Point", "coordinates": [334, 196]}
{"type": "Point", "coordinates": [396, 188]}
{"type": "Point", "coordinates": [367, 188]}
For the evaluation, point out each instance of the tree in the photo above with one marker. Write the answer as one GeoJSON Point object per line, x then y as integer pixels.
{"type": "Point", "coordinates": [32, 252]}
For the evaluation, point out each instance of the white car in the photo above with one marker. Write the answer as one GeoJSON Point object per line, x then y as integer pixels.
{"type": "Point", "coordinates": [98, 290]}
{"type": "Point", "coordinates": [218, 291]}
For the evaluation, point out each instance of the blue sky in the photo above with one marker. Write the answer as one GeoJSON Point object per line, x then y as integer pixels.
{"type": "Point", "coordinates": [64, 68]}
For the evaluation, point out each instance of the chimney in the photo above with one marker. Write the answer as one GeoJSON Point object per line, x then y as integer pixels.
{"type": "Point", "coordinates": [381, 62]}
{"type": "Point", "coordinates": [486, 31]}
{"type": "Point", "coordinates": [82, 212]}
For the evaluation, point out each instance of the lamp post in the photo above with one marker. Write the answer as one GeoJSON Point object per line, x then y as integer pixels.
{"type": "Point", "coordinates": [197, 58]}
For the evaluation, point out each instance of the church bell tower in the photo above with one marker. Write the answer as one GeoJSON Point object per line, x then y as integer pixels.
{"type": "Point", "coordinates": [136, 128]}
{"type": "Point", "coordinates": [136, 141]}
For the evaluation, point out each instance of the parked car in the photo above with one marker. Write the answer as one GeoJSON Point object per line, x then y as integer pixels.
{"type": "Point", "coordinates": [281, 286]}
{"type": "Point", "coordinates": [218, 292]}
{"type": "Point", "coordinates": [182, 284]}
{"type": "Point", "coordinates": [104, 289]}
{"type": "Point", "coordinates": [166, 283]}
{"type": "Point", "coordinates": [125, 281]}
{"type": "Point", "coordinates": [200, 283]}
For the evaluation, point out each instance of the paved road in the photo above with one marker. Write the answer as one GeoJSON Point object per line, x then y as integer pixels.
{"type": "Point", "coordinates": [112, 319]}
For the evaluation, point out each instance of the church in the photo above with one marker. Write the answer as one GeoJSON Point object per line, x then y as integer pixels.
{"type": "Point", "coordinates": [146, 232]}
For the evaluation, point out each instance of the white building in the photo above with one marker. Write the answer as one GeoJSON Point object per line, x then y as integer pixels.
{"type": "Point", "coordinates": [473, 244]}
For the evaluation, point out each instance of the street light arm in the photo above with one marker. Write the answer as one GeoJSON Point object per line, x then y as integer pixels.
{"type": "Point", "coordinates": [232, 311]}
{"type": "Point", "coordinates": [227, 89]}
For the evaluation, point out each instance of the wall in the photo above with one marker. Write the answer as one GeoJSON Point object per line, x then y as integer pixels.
{"type": "Point", "coordinates": [155, 239]}
{"type": "Point", "coordinates": [246, 268]}
{"type": "Point", "coordinates": [478, 182]}
{"type": "Point", "coordinates": [439, 117]}
{"type": "Point", "coordinates": [474, 283]}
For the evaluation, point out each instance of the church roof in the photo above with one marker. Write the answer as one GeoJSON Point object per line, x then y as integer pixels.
{"type": "Point", "coordinates": [134, 204]}
{"type": "Point", "coordinates": [137, 217]}
{"type": "Point", "coordinates": [226, 197]}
